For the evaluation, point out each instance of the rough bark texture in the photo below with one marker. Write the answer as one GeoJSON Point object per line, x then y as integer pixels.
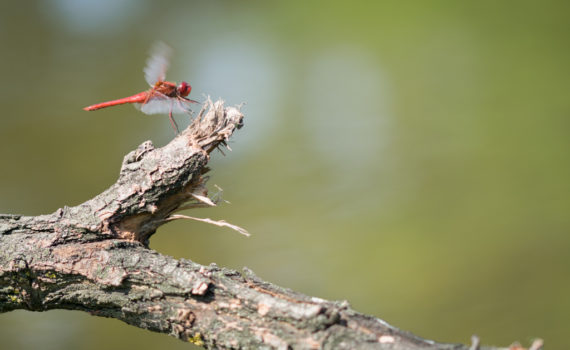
{"type": "Point", "coordinates": [95, 257]}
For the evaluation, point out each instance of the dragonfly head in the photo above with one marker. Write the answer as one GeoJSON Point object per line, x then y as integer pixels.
{"type": "Point", "coordinates": [184, 89]}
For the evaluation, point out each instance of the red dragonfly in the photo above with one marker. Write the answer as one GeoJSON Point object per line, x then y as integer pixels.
{"type": "Point", "coordinates": [163, 96]}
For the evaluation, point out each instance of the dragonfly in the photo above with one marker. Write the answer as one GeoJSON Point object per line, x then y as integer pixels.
{"type": "Point", "coordinates": [163, 97]}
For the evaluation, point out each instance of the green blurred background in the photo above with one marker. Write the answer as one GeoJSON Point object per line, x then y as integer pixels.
{"type": "Point", "coordinates": [410, 157]}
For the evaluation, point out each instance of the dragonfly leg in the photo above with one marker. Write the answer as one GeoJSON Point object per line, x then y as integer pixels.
{"type": "Point", "coordinates": [173, 122]}
{"type": "Point", "coordinates": [187, 99]}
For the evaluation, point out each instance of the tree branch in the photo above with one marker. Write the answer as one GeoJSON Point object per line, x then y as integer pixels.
{"type": "Point", "coordinates": [95, 257]}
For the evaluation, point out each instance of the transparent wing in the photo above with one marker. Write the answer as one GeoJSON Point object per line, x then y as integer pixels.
{"type": "Point", "coordinates": [157, 63]}
{"type": "Point", "coordinates": [161, 104]}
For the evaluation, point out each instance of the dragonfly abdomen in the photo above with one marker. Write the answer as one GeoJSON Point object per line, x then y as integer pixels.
{"type": "Point", "coordinates": [138, 98]}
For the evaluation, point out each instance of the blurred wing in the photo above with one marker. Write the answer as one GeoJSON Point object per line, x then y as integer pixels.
{"type": "Point", "coordinates": [161, 104]}
{"type": "Point", "coordinates": [157, 64]}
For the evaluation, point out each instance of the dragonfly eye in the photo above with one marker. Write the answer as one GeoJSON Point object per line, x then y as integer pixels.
{"type": "Point", "coordinates": [184, 88]}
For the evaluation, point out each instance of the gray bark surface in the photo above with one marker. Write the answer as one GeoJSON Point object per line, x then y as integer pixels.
{"type": "Point", "coordinates": [95, 258]}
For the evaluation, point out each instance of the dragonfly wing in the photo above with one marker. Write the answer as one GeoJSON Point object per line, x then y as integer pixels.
{"type": "Point", "coordinates": [184, 105]}
{"type": "Point", "coordinates": [157, 64]}
{"type": "Point", "coordinates": [161, 104]}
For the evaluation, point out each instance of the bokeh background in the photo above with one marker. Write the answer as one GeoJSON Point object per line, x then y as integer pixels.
{"type": "Point", "coordinates": [410, 157]}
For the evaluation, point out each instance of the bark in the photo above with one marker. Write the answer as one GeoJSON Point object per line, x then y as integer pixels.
{"type": "Point", "coordinates": [95, 257]}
